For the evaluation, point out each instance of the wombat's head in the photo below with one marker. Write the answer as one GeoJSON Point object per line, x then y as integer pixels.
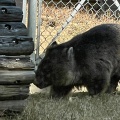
{"type": "Point", "coordinates": [57, 67]}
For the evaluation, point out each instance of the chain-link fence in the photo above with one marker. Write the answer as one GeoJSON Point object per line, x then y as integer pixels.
{"type": "Point", "coordinates": [60, 20]}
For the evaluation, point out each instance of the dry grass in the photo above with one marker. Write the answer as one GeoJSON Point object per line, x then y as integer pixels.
{"type": "Point", "coordinates": [56, 17]}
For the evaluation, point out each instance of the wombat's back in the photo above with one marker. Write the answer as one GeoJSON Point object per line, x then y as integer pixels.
{"type": "Point", "coordinates": [111, 31]}
{"type": "Point", "coordinates": [97, 34]}
{"type": "Point", "coordinates": [101, 33]}
{"type": "Point", "coordinates": [101, 42]}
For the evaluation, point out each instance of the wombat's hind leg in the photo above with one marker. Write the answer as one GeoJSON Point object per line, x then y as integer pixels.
{"type": "Point", "coordinates": [113, 84]}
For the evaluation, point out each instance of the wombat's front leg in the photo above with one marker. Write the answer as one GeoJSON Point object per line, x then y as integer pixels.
{"type": "Point", "coordinates": [60, 91]}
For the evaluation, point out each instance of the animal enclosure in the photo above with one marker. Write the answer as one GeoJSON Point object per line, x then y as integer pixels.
{"type": "Point", "coordinates": [60, 20]}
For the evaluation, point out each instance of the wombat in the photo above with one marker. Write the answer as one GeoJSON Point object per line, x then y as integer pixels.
{"type": "Point", "coordinates": [90, 59]}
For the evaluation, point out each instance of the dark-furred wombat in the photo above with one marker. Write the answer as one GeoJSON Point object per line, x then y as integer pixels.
{"type": "Point", "coordinates": [90, 59]}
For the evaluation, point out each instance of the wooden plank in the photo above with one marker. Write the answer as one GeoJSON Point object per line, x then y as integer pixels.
{"type": "Point", "coordinates": [11, 107]}
{"type": "Point", "coordinates": [7, 3]}
{"type": "Point", "coordinates": [13, 29]}
{"type": "Point", "coordinates": [14, 92]}
{"type": "Point", "coordinates": [10, 14]}
{"type": "Point", "coordinates": [14, 77]}
{"type": "Point", "coordinates": [11, 45]}
{"type": "Point", "coordinates": [16, 62]}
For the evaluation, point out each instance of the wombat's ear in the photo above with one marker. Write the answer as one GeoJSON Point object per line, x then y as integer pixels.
{"type": "Point", "coordinates": [70, 53]}
{"type": "Point", "coordinates": [54, 43]}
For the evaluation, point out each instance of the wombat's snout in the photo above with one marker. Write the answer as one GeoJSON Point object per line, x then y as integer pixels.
{"type": "Point", "coordinates": [35, 82]}
{"type": "Point", "coordinates": [40, 83]}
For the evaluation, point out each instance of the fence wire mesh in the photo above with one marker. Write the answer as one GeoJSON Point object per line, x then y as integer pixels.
{"type": "Point", "coordinates": [53, 19]}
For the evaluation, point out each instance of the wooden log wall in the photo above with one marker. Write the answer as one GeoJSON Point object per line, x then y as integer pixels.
{"type": "Point", "coordinates": [13, 29]}
{"type": "Point", "coordinates": [16, 67]}
{"type": "Point", "coordinates": [7, 3]}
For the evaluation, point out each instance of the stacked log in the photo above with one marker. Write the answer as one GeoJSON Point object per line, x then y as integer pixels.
{"type": "Point", "coordinates": [16, 67]}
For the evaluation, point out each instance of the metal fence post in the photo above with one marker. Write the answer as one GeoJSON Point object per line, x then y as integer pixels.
{"type": "Point", "coordinates": [38, 30]}
{"type": "Point", "coordinates": [32, 15]}
{"type": "Point", "coordinates": [24, 11]}
{"type": "Point", "coordinates": [43, 13]}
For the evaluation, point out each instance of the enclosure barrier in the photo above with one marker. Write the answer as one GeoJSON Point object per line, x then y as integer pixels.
{"type": "Point", "coordinates": [76, 9]}
{"type": "Point", "coordinates": [60, 20]}
{"type": "Point", "coordinates": [16, 67]}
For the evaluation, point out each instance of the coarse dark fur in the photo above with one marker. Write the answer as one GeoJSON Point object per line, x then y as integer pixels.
{"type": "Point", "coordinates": [90, 59]}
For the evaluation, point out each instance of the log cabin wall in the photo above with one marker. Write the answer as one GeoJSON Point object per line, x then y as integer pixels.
{"type": "Point", "coordinates": [16, 67]}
